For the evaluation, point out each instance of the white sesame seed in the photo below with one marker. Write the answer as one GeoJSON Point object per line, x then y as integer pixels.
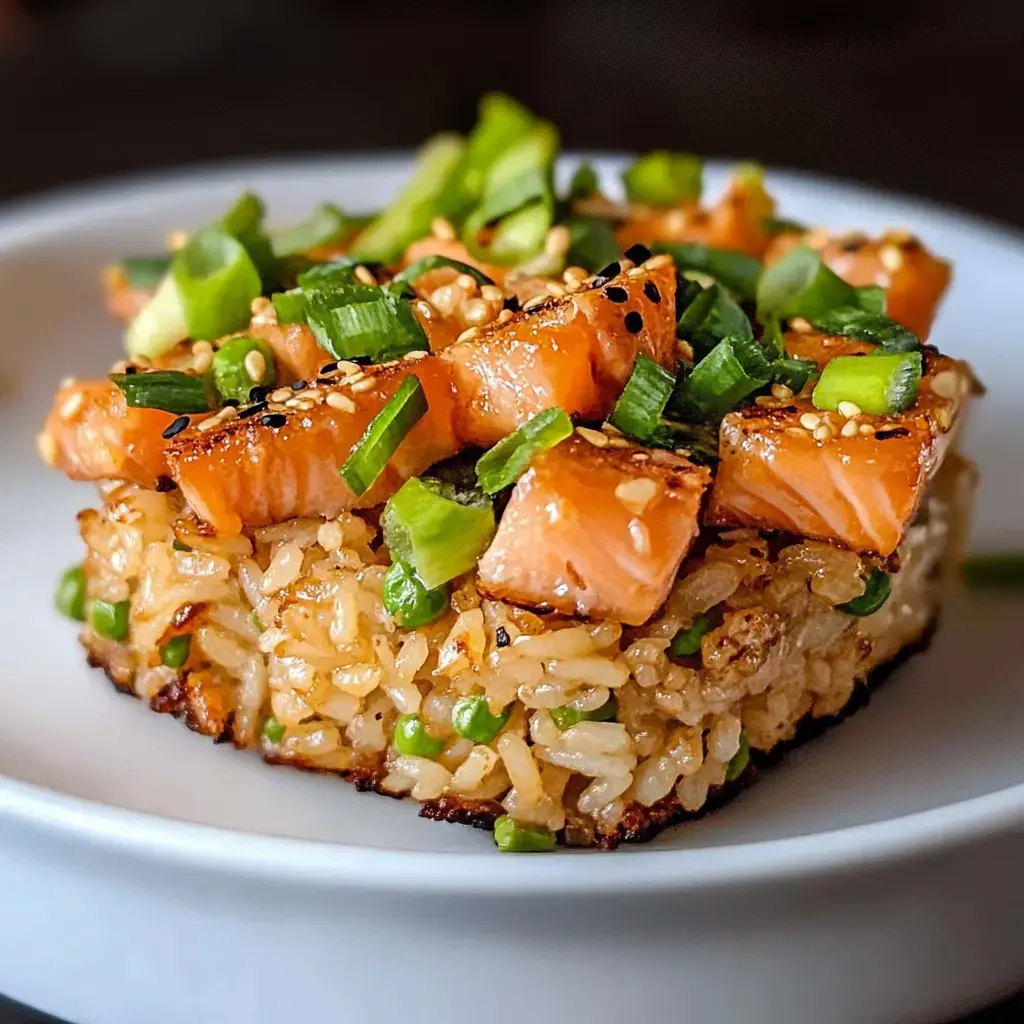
{"type": "Point", "coordinates": [363, 275]}
{"type": "Point", "coordinates": [416, 354]}
{"type": "Point", "coordinates": [866, 429]}
{"type": "Point", "coordinates": [557, 241]}
{"type": "Point", "coordinates": [810, 420]}
{"type": "Point", "coordinates": [537, 300]}
{"type": "Point", "coordinates": [504, 316]}
{"type": "Point", "coordinates": [469, 334]}
{"type": "Point", "coordinates": [555, 289]}
{"type": "Point", "coordinates": [281, 395]}
{"type": "Point", "coordinates": [229, 412]}
{"type": "Point", "coordinates": [781, 392]}
{"type": "Point", "coordinates": [636, 272]}
{"type": "Point", "coordinates": [341, 402]}
{"type": "Point", "coordinates": [47, 448]}
{"type": "Point", "coordinates": [640, 456]}
{"type": "Point", "coordinates": [424, 308]}
{"type": "Point", "coordinates": [796, 432]}
{"type": "Point", "coordinates": [799, 324]}
{"type": "Point", "coordinates": [657, 262]}
{"type": "Point", "coordinates": [823, 432]}
{"type": "Point", "coordinates": [208, 424]}
{"type": "Point", "coordinates": [477, 312]}
{"type": "Point", "coordinates": [617, 442]}
{"type": "Point", "coordinates": [625, 266]}
{"type": "Point", "coordinates": [255, 365]}
{"type": "Point", "coordinates": [445, 298]}
{"type": "Point", "coordinates": [574, 274]}
{"type": "Point", "coordinates": [849, 409]}
{"type": "Point", "coordinates": [351, 378]}
{"type": "Point", "coordinates": [362, 385]}
{"type": "Point", "coordinates": [891, 258]}
{"type": "Point", "coordinates": [945, 384]}
{"type": "Point", "coordinates": [202, 356]}
{"type": "Point", "coordinates": [943, 418]}
{"type": "Point", "coordinates": [466, 283]}
{"type": "Point", "coordinates": [71, 404]}
{"type": "Point", "coordinates": [641, 537]}
{"type": "Point", "coordinates": [595, 437]}
{"type": "Point", "coordinates": [442, 228]}
{"type": "Point", "coordinates": [636, 494]}
{"type": "Point", "coordinates": [491, 293]}
{"type": "Point", "coordinates": [293, 403]}
{"type": "Point", "coordinates": [346, 368]}
{"type": "Point", "coordinates": [849, 429]}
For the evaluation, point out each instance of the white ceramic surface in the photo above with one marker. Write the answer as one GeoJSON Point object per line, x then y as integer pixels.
{"type": "Point", "coordinates": [150, 876]}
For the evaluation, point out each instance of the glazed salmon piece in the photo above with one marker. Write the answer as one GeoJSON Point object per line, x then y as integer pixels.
{"type": "Point", "coordinates": [597, 532]}
{"type": "Point", "coordinates": [283, 462]}
{"type": "Point", "coordinates": [454, 250]}
{"type": "Point", "coordinates": [913, 278]}
{"type": "Point", "coordinates": [735, 222]}
{"type": "Point", "coordinates": [576, 353]}
{"type": "Point", "coordinates": [92, 433]}
{"type": "Point", "coordinates": [297, 353]}
{"type": "Point", "coordinates": [860, 491]}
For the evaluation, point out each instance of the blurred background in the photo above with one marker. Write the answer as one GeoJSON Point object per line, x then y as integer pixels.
{"type": "Point", "coordinates": [919, 95]}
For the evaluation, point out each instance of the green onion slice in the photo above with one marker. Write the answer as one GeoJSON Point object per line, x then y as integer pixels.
{"type": "Point", "coordinates": [584, 182]}
{"type": "Point", "coordinates": [698, 440]}
{"type": "Point", "coordinates": [437, 530]}
{"type": "Point", "coordinates": [159, 325]}
{"type": "Point", "coordinates": [592, 243]}
{"type": "Point", "coordinates": [384, 434]}
{"type": "Point", "coordinates": [662, 178]}
{"type": "Point", "coordinates": [145, 272]}
{"type": "Point", "coordinates": [639, 409]}
{"type": "Point", "coordinates": [871, 298]}
{"type": "Point", "coordinates": [735, 270]}
{"type": "Point", "coordinates": [216, 281]}
{"type": "Point", "coordinates": [686, 642]}
{"type": "Point", "coordinates": [409, 216]}
{"type": "Point", "coordinates": [170, 390]}
{"type": "Point", "coordinates": [435, 262]}
{"type": "Point", "coordinates": [506, 462]}
{"type": "Point", "coordinates": [501, 123]}
{"type": "Point", "coordinates": [244, 223]}
{"type": "Point", "coordinates": [326, 224]}
{"type": "Point", "coordinates": [876, 327]}
{"type": "Point", "coordinates": [732, 370]}
{"type": "Point", "coordinates": [800, 284]}
{"type": "Point", "coordinates": [712, 315]}
{"type": "Point", "coordinates": [794, 373]}
{"type": "Point", "coordinates": [738, 763]}
{"type": "Point", "coordinates": [1001, 570]}
{"type": "Point", "coordinates": [290, 306]}
{"type": "Point", "coordinates": [880, 385]}
{"type": "Point", "coordinates": [876, 593]}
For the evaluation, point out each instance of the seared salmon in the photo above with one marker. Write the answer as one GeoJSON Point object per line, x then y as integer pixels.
{"type": "Point", "coordinates": [859, 486]}
{"type": "Point", "coordinates": [913, 278]}
{"type": "Point", "coordinates": [595, 531]}
{"type": "Point", "coordinates": [283, 461]}
{"type": "Point", "coordinates": [575, 352]}
{"type": "Point", "coordinates": [735, 222]}
{"type": "Point", "coordinates": [92, 433]}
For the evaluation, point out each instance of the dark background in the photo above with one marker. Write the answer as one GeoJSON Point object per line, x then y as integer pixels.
{"type": "Point", "coordinates": [920, 95]}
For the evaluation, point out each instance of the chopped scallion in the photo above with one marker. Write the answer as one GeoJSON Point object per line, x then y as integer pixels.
{"type": "Point", "coordinates": [638, 411]}
{"type": "Point", "coordinates": [879, 385]}
{"type": "Point", "coordinates": [592, 243]}
{"type": "Point", "coordinates": [732, 370]}
{"type": "Point", "coordinates": [385, 433]}
{"type": "Point", "coordinates": [686, 642]}
{"type": "Point", "coordinates": [290, 306]}
{"type": "Point", "coordinates": [712, 315]}
{"type": "Point", "coordinates": [794, 373]}
{"type": "Point", "coordinates": [439, 536]}
{"type": "Point", "coordinates": [159, 325]}
{"type": "Point", "coordinates": [170, 390]}
{"type": "Point", "coordinates": [738, 763]}
{"type": "Point", "coordinates": [662, 178]}
{"type": "Point", "coordinates": [584, 182]}
{"type": "Point", "coordinates": [800, 284]}
{"type": "Point", "coordinates": [876, 593]}
{"type": "Point", "coordinates": [145, 272]}
{"type": "Point", "coordinates": [734, 270]}
{"type": "Point", "coordinates": [434, 262]}
{"type": "Point", "coordinates": [326, 224]}
{"type": "Point", "coordinates": [511, 456]}
{"type": "Point", "coordinates": [875, 327]}
{"type": "Point", "coordinates": [233, 367]}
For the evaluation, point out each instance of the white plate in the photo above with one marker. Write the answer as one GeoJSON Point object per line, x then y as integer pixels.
{"type": "Point", "coordinates": [150, 875]}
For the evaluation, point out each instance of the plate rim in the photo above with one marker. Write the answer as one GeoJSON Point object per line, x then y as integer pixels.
{"type": "Point", "coordinates": [314, 862]}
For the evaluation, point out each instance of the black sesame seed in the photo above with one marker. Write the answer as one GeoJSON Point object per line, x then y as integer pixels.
{"type": "Point", "coordinates": [253, 410]}
{"type": "Point", "coordinates": [634, 322]}
{"type": "Point", "coordinates": [884, 435]}
{"type": "Point", "coordinates": [637, 253]}
{"type": "Point", "coordinates": [328, 367]}
{"type": "Point", "coordinates": [274, 419]}
{"type": "Point", "coordinates": [512, 304]}
{"type": "Point", "coordinates": [378, 715]}
{"type": "Point", "coordinates": [175, 428]}
{"type": "Point", "coordinates": [612, 270]}
{"type": "Point", "coordinates": [258, 393]}
{"type": "Point", "coordinates": [616, 294]}
{"type": "Point", "coordinates": [325, 380]}
{"type": "Point", "coordinates": [232, 402]}
{"type": "Point", "coordinates": [297, 385]}
{"type": "Point", "coordinates": [165, 483]}
{"type": "Point", "coordinates": [651, 291]}
{"type": "Point", "coordinates": [129, 370]}
{"type": "Point", "coordinates": [501, 637]}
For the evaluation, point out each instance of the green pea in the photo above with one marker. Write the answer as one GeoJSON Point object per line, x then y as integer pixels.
{"type": "Point", "coordinates": [273, 730]}
{"type": "Point", "coordinates": [70, 596]}
{"type": "Point", "coordinates": [109, 619]}
{"type": "Point", "coordinates": [876, 593]}
{"type": "Point", "coordinates": [565, 717]}
{"type": "Point", "coordinates": [230, 372]}
{"type": "Point", "coordinates": [511, 837]}
{"type": "Point", "coordinates": [738, 764]}
{"type": "Point", "coordinates": [409, 602]}
{"type": "Point", "coordinates": [174, 653]}
{"type": "Point", "coordinates": [687, 641]}
{"type": "Point", "coordinates": [412, 738]}
{"type": "Point", "coordinates": [472, 719]}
